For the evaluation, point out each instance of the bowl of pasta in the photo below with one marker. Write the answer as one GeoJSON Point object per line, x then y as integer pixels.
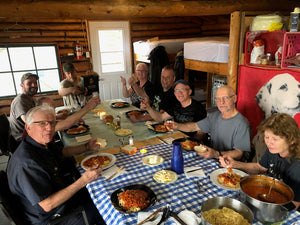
{"type": "Point", "coordinates": [224, 210]}
{"type": "Point", "coordinates": [133, 198]}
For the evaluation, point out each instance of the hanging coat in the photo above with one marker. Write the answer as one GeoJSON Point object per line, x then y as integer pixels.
{"type": "Point", "coordinates": [158, 59]}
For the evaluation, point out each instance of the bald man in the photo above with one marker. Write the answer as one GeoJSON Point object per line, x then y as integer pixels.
{"type": "Point", "coordinates": [229, 129]}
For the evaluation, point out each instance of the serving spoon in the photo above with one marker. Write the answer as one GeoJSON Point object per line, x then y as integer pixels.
{"type": "Point", "coordinates": [268, 197]}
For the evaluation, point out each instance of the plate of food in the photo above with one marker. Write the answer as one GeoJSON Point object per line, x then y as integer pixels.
{"type": "Point", "coordinates": [134, 112]}
{"type": "Point", "coordinates": [227, 178]}
{"type": "Point", "coordinates": [119, 104]}
{"type": "Point", "coordinates": [70, 108]}
{"type": "Point", "coordinates": [152, 160]}
{"type": "Point", "coordinates": [77, 130]}
{"type": "Point", "coordinates": [159, 128]}
{"type": "Point", "coordinates": [105, 160]}
{"type": "Point", "coordinates": [133, 198]}
{"type": "Point", "coordinates": [98, 110]}
{"type": "Point", "coordinates": [165, 176]}
{"type": "Point", "coordinates": [123, 132]}
{"type": "Point", "coordinates": [187, 143]}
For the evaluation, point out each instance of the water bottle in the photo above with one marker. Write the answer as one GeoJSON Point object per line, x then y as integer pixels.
{"type": "Point", "coordinates": [177, 158]}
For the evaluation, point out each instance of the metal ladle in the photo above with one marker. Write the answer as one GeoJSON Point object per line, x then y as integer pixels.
{"type": "Point", "coordinates": [268, 197]}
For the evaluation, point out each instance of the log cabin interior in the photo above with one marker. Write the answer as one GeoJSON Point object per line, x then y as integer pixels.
{"type": "Point", "coordinates": [65, 22]}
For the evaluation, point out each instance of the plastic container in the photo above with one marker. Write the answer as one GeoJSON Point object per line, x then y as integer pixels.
{"type": "Point", "coordinates": [177, 158]}
{"type": "Point", "coordinates": [272, 41]}
{"type": "Point", "coordinates": [291, 46]}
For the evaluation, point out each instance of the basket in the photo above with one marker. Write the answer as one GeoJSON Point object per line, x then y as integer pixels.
{"type": "Point", "coordinates": [291, 46]}
{"type": "Point", "coordinates": [272, 41]}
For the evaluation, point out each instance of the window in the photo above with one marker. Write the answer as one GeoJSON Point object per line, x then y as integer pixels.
{"type": "Point", "coordinates": [36, 58]}
{"type": "Point", "coordinates": [111, 50]}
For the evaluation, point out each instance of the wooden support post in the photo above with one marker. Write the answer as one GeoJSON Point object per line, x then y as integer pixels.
{"type": "Point", "coordinates": [233, 53]}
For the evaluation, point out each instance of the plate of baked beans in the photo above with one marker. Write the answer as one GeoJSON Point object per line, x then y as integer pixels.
{"type": "Point", "coordinates": [159, 128]}
{"type": "Point", "coordinates": [134, 112]}
{"type": "Point", "coordinates": [119, 104]}
{"type": "Point", "coordinates": [105, 160]}
{"type": "Point", "coordinates": [187, 143]}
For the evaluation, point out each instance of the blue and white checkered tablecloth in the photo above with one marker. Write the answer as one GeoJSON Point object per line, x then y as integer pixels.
{"type": "Point", "coordinates": [180, 195]}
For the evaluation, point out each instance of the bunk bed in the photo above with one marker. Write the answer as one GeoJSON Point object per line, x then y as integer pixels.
{"type": "Point", "coordinates": [142, 49]}
{"type": "Point", "coordinates": [227, 67]}
{"type": "Point", "coordinates": [172, 46]}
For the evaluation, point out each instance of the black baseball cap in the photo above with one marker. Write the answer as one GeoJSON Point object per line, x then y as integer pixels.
{"type": "Point", "coordinates": [182, 82]}
{"type": "Point", "coordinates": [68, 67]}
{"type": "Point", "coordinates": [27, 76]}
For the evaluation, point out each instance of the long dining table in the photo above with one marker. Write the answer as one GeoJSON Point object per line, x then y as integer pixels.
{"type": "Point", "coordinates": [182, 194]}
{"type": "Point", "coordinates": [97, 128]}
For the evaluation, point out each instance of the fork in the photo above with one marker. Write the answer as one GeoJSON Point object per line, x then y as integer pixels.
{"type": "Point", "coordinates": [166, 213]}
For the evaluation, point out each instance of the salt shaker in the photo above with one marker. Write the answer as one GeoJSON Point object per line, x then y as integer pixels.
{"type": "Point", "coordinates": [118, 121]}
{"type": "Point", "coordinates": [177, 158]}
{"type": "Point", "coordinates": [130, 139]}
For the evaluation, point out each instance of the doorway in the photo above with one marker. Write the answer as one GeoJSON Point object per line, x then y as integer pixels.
{"type": "Point", "coordinates": [110, 43]}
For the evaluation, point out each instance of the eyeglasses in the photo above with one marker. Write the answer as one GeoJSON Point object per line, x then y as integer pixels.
{"type": "Point", "coordinates": [46, 123]}
{"type": "Point", "coordinates": [141, 70]}
{"type": "Point", "coordinates": [225, 98]}
{"type": "Point", "coordinates": [181, 90]}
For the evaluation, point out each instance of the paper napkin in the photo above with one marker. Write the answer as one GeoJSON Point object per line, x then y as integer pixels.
{"type": "Point", "coordinates": [144, 215]}
{"type": "Point", "coordinates": [189, 217]}
{"type": "Point", "coordinates": [197, 173]}
{"type": "Point", "coordinates": [83, 138]}
{"type": "Point", "coordinates": [169, 140]}
{"type": "Point", "coordinates": [108, 172]}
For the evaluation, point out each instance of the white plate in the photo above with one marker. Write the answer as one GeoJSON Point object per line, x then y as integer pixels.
{"type": "Point", "coordinates": [123, 132]}
{"type": "Point", "coordinates": [112, 160]}
{"type": "Point", "coordinates": [172, 176]}
{"type": "Point", "coordinates": [153, 160]}
{"type": "Point", "coordinates": [214, 177]}
{"type": "Point", "coordinates": [70, 108]}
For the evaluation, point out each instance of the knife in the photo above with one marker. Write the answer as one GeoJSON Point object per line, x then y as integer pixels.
{"type": "Point", "coordinates": [115, 173]}
{"type": "Point", "coordinates": [198, 169]}
{"type": "Point", "coordinates": [178, 218]}
{"type": "Point", "coordinates": [149, 217]}
{"type": "Point", "coordinates": [162, 140]}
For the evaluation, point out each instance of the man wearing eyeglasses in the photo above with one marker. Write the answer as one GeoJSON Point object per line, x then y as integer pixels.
{"type": "Point", "coordinates": [36, 174]}
{"type": "Point", "coordinates": [140, 86]}
{"type": "Point", "coordinates": [22, 103]}
{"type": "Point", "coordinates": [185, 110]}
{"type": "Point", "coordinates": [229, 130]}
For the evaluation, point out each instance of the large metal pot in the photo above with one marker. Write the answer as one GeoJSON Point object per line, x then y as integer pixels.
{"type": "Point", "coordinates": [263, 211]}
{"type": "Point", "coordinates": [220, 202]}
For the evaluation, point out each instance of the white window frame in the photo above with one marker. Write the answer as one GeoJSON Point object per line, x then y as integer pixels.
{"type": "Point", "coordinates": [34, 70]}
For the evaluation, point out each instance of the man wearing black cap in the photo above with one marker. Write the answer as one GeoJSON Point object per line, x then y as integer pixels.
{"type": "Point", "coordinates": [22, 103]}
{"type": "Point", "coordinates": [70, 87]}
{"type": "Point", "coordinates": [185, 110]}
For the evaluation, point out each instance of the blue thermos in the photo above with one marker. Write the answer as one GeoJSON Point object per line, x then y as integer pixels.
{"type": "Point", "coordinates": [177, 158]}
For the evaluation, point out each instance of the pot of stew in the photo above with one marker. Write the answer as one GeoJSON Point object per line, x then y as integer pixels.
{"type": "Point", "coordinates": [274, 210]}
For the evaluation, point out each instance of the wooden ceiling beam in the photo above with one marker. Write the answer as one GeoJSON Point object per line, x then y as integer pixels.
{"type": "Point", "coordinates": [125, 9]}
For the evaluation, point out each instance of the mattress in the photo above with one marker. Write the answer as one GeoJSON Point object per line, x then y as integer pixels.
{"type": "Point", "coordinates": [172, 46]}
{"type": "Point", "coordinates": [207, 49]}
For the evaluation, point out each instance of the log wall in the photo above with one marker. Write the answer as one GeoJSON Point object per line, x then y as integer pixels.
{"type": "Point", "coordinates": [65, 33]}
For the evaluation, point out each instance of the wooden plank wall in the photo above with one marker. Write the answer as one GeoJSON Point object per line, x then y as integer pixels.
{"type": "Point", "coordinates": [179, 27]}
{"type": "Point", "coordinates": [65, 33]}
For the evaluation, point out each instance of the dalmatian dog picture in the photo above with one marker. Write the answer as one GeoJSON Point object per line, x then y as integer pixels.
{"type": "Point", "coordinates": [281, 94]}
